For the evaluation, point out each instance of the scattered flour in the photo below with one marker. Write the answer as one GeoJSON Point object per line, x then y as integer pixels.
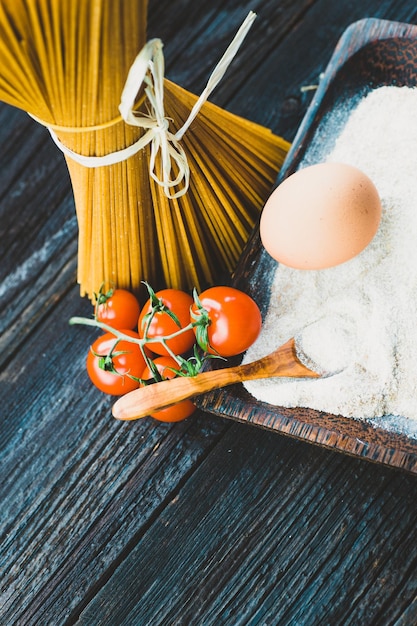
{"type": "Point", "coordinates": [357, 322]}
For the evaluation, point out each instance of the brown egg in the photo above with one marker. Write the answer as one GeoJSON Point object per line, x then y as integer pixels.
{"type": "Point", "coordinates": [320, 216]}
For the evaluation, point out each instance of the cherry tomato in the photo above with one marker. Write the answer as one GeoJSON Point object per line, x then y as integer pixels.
{"type": "Point", "coordinates": [176, 412]}
{"type": "Point", "coordinates": [119, 310]}
{"type": "Point", "coordinates": [126, 359]}
{"type": "Point", "coordinates": [235, 320]}
{"type": "Point", "coordinates": [179, 302]}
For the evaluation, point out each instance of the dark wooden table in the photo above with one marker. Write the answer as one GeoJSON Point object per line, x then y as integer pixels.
{"type": "Point", "coordinates": [207, 521]}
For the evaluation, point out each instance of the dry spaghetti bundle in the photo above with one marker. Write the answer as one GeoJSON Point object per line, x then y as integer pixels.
{"type": "Point", "coordinates": [65, 62]}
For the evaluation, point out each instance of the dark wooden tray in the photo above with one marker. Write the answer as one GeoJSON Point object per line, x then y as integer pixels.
{"type": "Point", "coordinates": [370, 53]}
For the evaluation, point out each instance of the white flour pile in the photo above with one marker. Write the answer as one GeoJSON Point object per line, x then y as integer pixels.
{"type": "Point", "coordinates": [358, 321]}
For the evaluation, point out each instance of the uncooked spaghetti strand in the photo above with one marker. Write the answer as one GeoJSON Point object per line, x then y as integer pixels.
{"type": "Point", "coordinates": [257, 159]}
{"type": "Point", "coordinates": [224, 194]}
{"type": "Point", "coordinates": [17, 64]}
{"type": "Point", "coordinates": [95, 56]}
{"type": "Point", "coordinates": [197, 144]}
{"type": "Point", "coordinates": [133, 192]}
{"type": "Point", "coordinates": [212, 209]}
{"type": "Point", "coordinates": [190, 251]}
{"type": "Point", "coordinates": [11, 95]}
{"type": "Point", "coordinates": [202, 259]}
{"type": "Point", "coordinates": [141, 227]}
{"type": "Point", "coordinates": [57, 16]}
{"type": "Point", "coordinates": [218, 246]}
{"type": "Point", "coordinates": [245, 184]}
{"type": "Point", "coordinates": [113, 255]}
{"type": "Point", "coordinates": [191, 239]}
{"type": "Point", "coordinates": [150, 259]}
{"type": "Point", "coordinates": [201, 141]}
{"type": "Point", "coordinates": [91, 143]}
{"type": "Point", "coordinates": [165, 236]}
{"type": "Point", "coordinates": [226, 230]}
{"type": "Point", "coordinates": [38, 20]}
{"type": "Point", "coordinates": [66, 23]}
{"type": "Point", "coordinates": [134, 32]}
{"type": "Point", "coordinates": [236, 125]}
{"type": "Point", "coordinates": [113, 211]}
{"type": "Point", "coordinates": [246, 181]}
{"type": "Point", "coordinates": [82, 37]}
{"type": "Point", "coordinates": [49, 59]}
{"type": "Point", "coordinates": [121, 247]}
{"type": "Point", "coordinates": [80, 60]}
{"type": "Point", "coordinates": [106, 211]}
{"type": "Point", "coordinates": [85, 221]}
{"type": "Point", "coordinates": [125, 233]}
{"type": "Point", "coordinates": [266, 156]}
{"type": "Point", "coordinates": [262, 143]}
{"type": "Point", "coordinates": [122, 237]}
{"type": "Point", "coordinates": [169, 243]}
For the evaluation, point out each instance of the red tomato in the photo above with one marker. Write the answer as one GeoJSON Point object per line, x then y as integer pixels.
{"type": "Point", "coordinates": [119, 310]}
{"type": "Point", "coordinates": [179, 302]}
{"type": "Point", "coordinates": [235, 320]}
{"type": "Point", "coordinates": [176, 412]}
{"type": "Point", "coordinates": [127, 360]}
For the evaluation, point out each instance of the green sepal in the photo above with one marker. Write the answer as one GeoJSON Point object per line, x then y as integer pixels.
{"type": "Point", "coordinates": [101, 297]}
{"type": "Point", "coordinates": [158, 306]}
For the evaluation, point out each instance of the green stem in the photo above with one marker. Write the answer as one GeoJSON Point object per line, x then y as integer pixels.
{"type": "Point", "coordinates": [86, 321]}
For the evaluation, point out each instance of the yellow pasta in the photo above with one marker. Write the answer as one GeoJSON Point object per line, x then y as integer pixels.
{"type": "Point", "coordinates": [65, 62]}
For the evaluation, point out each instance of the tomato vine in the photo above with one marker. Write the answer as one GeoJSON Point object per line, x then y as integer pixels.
{"type": "Point", "coordinates": [174, 329]}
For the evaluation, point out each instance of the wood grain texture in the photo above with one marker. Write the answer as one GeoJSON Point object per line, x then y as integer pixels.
{"type": "Point", "coordinates": [282, 563]}
{"type": "Point", "coordinates": [204, 522]}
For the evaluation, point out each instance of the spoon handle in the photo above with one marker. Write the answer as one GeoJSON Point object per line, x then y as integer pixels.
{"type": "Point", "coordinates": [146, 400]}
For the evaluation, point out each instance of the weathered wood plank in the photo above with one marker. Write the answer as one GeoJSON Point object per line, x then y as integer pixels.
{"type": "Point", "coordinates": [204, 521]}
{"type": "Point", "coordinates": [273, 93]}
{"type": "Point", "coordinates": [269, 531]}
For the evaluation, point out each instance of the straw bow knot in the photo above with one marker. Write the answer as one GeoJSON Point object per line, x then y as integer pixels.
{"type": "Point", "coordinates": [148, 69]}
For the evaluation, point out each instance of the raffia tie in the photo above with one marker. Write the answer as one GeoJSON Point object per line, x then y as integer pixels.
{"type": "Point", "coordinates": [148, 69]}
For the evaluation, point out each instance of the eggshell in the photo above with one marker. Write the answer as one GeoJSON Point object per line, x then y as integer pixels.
{"type": "Point", "coordinates": [320, 216]}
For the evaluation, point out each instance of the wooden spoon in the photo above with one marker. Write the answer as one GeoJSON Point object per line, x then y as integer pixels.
{"type": "Point", "coordinates": [146, 400]}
